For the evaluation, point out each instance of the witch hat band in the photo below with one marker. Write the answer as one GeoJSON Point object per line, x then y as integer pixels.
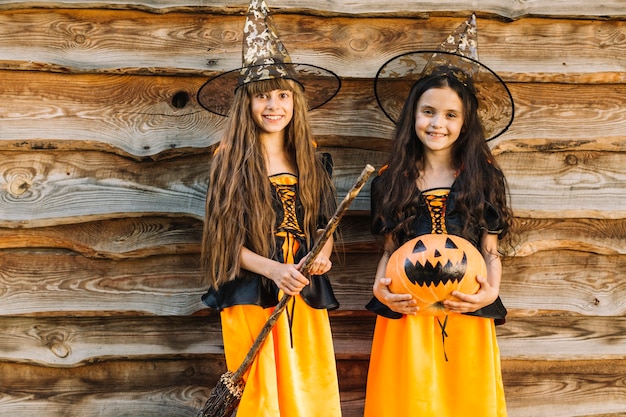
{"type": "Point", "coordinates": [458, 56]}
{"type": "Point", "coordinates": [264, 57]}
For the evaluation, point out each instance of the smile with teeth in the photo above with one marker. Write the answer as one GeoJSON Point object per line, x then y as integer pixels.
{"type": "Point", "coordinates": [273, 117]}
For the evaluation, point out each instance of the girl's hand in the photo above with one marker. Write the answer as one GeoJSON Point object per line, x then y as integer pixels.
{"type": "Point", "coordinates": [400, 303]}
{"type": "Point", "coordinates": [320, 265]}
{"type": "Point", "coordinates": [288, 278]}
{"type": "Point", "coordinates": [469, 303]}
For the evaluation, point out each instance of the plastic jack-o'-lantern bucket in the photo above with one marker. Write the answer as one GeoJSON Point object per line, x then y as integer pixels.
{"type": "Point", "coordinates": [430, 267]}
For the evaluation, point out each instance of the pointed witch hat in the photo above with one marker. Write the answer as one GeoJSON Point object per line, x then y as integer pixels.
{"type": "Point", "coordinates": [264, 57]}
{"type": "Point", "coordinates": [457, 55]}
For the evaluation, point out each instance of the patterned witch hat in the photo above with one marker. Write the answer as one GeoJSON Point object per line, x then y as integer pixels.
{"type": "Point", "coordinates": [457, 55]}
{"type": "Point", "coordinates": [265, 58]}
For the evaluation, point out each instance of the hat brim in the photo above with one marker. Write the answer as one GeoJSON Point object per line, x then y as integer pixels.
{"type": "Point", "coordinates": [320, 86]}
{"type": "Point", "coordinates": [395, 78]}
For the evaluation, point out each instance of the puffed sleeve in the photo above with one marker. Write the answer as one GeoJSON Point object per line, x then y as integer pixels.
{"type": "Point", "coordinates": [493, 220]}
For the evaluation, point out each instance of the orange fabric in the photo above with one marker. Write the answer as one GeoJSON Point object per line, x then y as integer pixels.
{"type": "Point", "coordinates": [409, 374]}
{"type": "Point", "coordinates": [294, 374]}
{"type": "Point", "coordinates": [284, 381]}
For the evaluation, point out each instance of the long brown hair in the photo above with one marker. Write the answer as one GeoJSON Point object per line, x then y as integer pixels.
{"type": "Point", "coordinates": [239, 208]}
{"type": "Point", "coordinates": [480, 180]}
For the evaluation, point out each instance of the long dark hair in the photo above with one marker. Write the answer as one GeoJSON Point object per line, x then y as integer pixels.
{"type": "Point", "coordinates": [480, 181]}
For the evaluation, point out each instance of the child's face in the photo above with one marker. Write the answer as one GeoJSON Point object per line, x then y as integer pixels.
{"type": "Point", "coordinates": [439, 118]}
{"type": "Point", "coordinates": [272, 111]}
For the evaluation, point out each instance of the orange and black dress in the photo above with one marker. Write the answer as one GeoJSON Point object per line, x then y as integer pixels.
{"type": "Point", "coordinates": [430, 366]}
{"type": "Point", "coordinates": [294, 374]}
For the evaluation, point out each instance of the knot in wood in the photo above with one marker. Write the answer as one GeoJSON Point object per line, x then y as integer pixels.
{"type": "Point", "coordinates": [19, 181]}
{"type": "Point", "coordinates": [60, 349]}
{"type": "Point", "coordinates": [55, 340]}
{"type": "Point", "coordinates": [359, 45]}
{"type": "Point", "coordinates": [571, 160]}
{"type": "Point", "coordinates": [18, 188]}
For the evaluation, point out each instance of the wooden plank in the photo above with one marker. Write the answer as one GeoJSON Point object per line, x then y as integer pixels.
{"type": "Point", "coordinates": [112, 239]}
{"type": "Point", "coordinates": [566, 184]}
{"type": "Point", "coordinates": [172, 387]}
{"type": "Point", "coordinates": [47, 283]}
{"type": "Point", "coordinates": [542, 185]}
{"type": "Point", "coordinates": [564, 388]}
{"type": "Point", "coordinates": [531, 235]}
{"type": "Point", "coordinates": [134, 116]}
{"type": "Point", "coordinates": [51, 188]}
{"type": "Point", "coordinates": [132, 42]}
{"type": "Point", "coordinates": [178, 385]}
{"type": "Point", "coordinates": [70, 187]}
{"type": "Point", "coordinates": [509, 10]}
{"type": "Point", "coordinates": [582, 117]}
{"type": "Point", "coordinates": [62, 341]}
{"type": "Point", "coordinates": [529, 338]}
{"type": "Point", "coordinates": [347, 165]}
{"type": "Point", "coordinates": [122, 388]}
{"type": "Point", "coordinates": [566, 282]}
{"type": "Point", "coordinates": [563, 338]}
{"type": "Point", "coordinates": [538, 116]}
{"type": "Point", "coordinates": [538, 388]}
{"type": "Point", "coordinates": [602, 237]}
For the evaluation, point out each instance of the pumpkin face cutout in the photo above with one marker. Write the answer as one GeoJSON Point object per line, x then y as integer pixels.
{"type": "Point", "coordinates": [430, 267]}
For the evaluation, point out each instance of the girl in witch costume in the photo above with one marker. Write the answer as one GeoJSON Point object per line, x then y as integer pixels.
{"type": "Point", "coordinates": [269, 195]}
{"type": "Point", "coordinates": [441, 178]}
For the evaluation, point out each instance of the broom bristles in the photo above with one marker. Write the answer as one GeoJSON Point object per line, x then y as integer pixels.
{"type": "Point", "coordinates": [223, 399]}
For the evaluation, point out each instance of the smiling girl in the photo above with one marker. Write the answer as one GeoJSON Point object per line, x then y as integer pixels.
{"type": "Point", "coordinates": [270, 194]}
{"type": "Point", "coordinates": [441, 178]}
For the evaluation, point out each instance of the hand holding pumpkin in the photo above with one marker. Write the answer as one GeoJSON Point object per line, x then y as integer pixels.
{"type": "Point", "coordinates": [400, 303]}
{"type": "Point", "coordinates": [468, 303]}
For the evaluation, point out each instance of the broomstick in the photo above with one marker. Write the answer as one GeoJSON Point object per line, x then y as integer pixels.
{"type": "Point", "coordinates": [225, 396]}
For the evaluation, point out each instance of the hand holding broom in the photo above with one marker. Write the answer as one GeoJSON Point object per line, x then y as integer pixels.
{"type": "Point", "coordinates": [225, 396]}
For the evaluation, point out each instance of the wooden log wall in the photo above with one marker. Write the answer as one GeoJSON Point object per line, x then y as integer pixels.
{"type": "Point", "coordinates": [104, 153]}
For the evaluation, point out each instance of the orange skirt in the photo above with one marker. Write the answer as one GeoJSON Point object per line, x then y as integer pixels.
{"type": "Point", "coordinates": [298, 381]}
{"type": "Point", "coordinates": [410, 376]}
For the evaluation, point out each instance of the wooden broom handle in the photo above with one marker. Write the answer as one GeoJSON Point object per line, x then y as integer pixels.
{"type": "Point", "coordinates": [317, 248]}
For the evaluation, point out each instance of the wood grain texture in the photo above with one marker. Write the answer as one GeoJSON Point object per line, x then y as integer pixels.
{"type": "Point", "coordinates": [508, 10]}
{"type": "Point", "coordinates": [546, 283]}
{"type": "Point", "coordinates": [585, 387]}
{"type": "Point", "coordinates": [69, 342]}
{"type": "Point", "coordinates": [132, 115]}
{"type": "Point", "coordinates": [104, 155]}
{"type": "Point", "coordinates": [135, 116]}
{"type": "Point", "coordinates": [59, 342]}
{"type": "Point", "coordinates": [182, 379]}
{"type": "Point", "coordinates": [62, 283]}
{"type": "Point", "coordinates": [540, 388]}
{"type": "Point", "coordinates": [113, 388]}
{"type": "Point", "coordinates": [566, 184]}
{"type": "Point", "coordinates": [47, 188]}
{"type": "Point", "coordinates": [112, 239]}
{"type": "Point", "coordinates": [530, 235]}
{"type": "Point", "coordinates": [132, 42]}
{"type": "Point", "coordinates": [568, 283]}
{"type": "Point", "coordinates": [525, 338]}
